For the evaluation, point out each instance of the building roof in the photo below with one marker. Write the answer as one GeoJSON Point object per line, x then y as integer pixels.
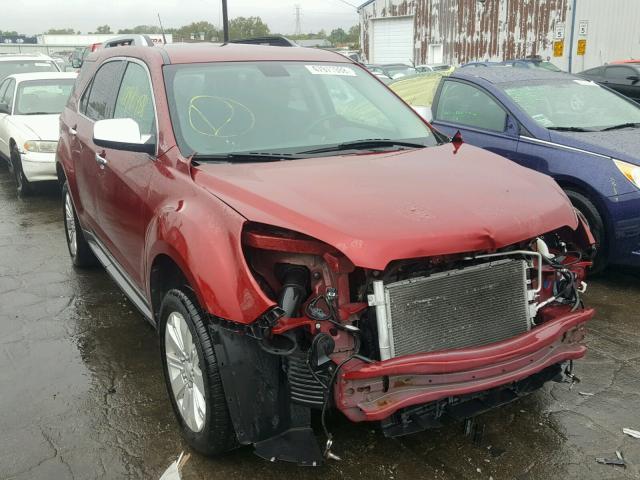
{"type": "Point", "coordinates": [25, 77]}
{"type": "Point", "coordinates": [497, 75]}
{"type": "Point", "coordinates": [368, 2]}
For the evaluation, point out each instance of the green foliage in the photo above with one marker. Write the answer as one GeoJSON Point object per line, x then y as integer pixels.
{"type": "Point", "coordinates": [195, 31]}
{"type": "Point", "coordinates": [141, 29]}
{"type": "Point", "coordinates": [61, 31]}
{"type": "Point", "coordinates": [103, 29]}
{"type": "Point", "coordinates": [247, 27]}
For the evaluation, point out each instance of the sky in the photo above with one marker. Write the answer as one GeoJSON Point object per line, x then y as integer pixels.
{"type": "Point", "coordinates": [37, 16]}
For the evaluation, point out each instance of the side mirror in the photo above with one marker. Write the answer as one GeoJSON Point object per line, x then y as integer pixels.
{"type": "Point", "coordinates": [121, 134]}
{"type": "Point", "coordinates": [76, 62]}
{"type": "Point", "coordinates": [4, 108]}
{"type": "Point", "coordinates": [424, 112]}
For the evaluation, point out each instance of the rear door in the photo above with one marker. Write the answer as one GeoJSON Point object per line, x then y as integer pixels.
{"type": "Point", "coordinates": [4, 134]}
{"type": "Point", "coordinates": [96, 103]}
{"type": "Point", "coordinates": [122, 191]}
{"type": "Point", "coordinates": [481, 119]}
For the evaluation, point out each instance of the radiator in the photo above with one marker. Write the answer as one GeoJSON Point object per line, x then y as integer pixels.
{"type": "Point", "coordinates": [473, 306]}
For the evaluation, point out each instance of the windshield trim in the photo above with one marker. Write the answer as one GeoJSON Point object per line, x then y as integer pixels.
{"type": "Point", "coordinates": [189, 154]}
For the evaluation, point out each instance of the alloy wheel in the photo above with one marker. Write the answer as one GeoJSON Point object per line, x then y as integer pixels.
{"type": "Point", "coordinates": [185, 374]}
{"type": "Point", "coordinates": [70, 224]}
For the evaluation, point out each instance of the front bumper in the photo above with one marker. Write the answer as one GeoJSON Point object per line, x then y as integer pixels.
{"type": "Point", "coordinates": [372, 392]}
{"type": "Point", "coordinates": [624, 211]}
{"type": "Point", "coordinates": [39, 167]}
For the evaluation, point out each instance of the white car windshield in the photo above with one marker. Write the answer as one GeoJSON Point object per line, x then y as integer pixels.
{"type": "Point", "coordinates": [269, 107]}
{"type": "Point", "coordinates": [573, 105]}
{"type": "Point", "coordinates": [11, 67]}
{"type": "Point", "coordinates": [43, 97]}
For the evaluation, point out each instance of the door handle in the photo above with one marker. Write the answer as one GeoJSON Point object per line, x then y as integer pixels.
{"type": "Point", "coordinates": [101, 160]}
{"type": "Point", "coordinates": [73, 131]}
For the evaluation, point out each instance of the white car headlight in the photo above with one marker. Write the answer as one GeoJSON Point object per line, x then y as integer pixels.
{"type": "Point", "coordinates": [40, 146]}
{"type": "Point", "coordinates": [632, 172]}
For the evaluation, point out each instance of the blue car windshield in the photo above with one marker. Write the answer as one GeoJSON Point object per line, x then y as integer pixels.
{"type": "Point", "coordinates": [573, 104]}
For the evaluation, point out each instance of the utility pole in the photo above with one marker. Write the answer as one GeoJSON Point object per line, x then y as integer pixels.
{"type": "Point", "coordinates": [225, 21]}
{"type": "Point", "coordinates": [298, 30]}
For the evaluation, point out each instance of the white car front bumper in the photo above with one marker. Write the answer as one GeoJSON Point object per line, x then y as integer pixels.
{"type": "Point", "coordinates": [39, 167]}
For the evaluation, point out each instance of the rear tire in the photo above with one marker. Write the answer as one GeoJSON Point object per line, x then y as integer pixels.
{"type": "Point", "coordinates": [190, 365]}
{"type": "Point", "coordinates": [24, 188]}
{"type": "Point", "coordinates": [81, 254]}
{"type": "Point", "coordinates": [595, 224]}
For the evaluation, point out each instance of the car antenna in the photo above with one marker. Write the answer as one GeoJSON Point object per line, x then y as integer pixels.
{"type": "Point", "coordinates": [164, 38]}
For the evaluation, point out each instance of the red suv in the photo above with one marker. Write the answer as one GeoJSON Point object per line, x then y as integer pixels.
{"type": "Point", "coordinates": [303, 240]}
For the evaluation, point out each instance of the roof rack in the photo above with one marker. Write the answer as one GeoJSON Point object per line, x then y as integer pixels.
{"type": "Point", "coordinates": [274, 41]}
{"type": "Point", "coordinates": [129, 41]}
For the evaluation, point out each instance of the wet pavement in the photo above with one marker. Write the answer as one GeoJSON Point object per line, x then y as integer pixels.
{"type": "Point", "coordinates": [82, 394]}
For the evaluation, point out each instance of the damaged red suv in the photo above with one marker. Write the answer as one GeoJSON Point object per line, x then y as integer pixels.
{"type": "Point", "coordinates": [303, 241]}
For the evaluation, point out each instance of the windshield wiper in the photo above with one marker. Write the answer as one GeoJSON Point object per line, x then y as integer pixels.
{"type": "Point", "coordinates": [571, 129]}
{"type": "Point", "coordinates": [367, 144]}
{"type": "Point", "coordinates": [621, 126]}
{"type": "Point", "coordinates": [38, 113]}
{"type": "Point", "coordinates": [247, 157]}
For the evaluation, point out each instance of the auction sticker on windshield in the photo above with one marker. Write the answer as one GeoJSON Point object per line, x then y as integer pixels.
{"type": "Point", "coordinates": [331, 70]}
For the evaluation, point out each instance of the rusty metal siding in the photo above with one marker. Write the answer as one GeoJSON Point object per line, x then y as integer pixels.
{"type": "Point", "coordinates": [469, 30]}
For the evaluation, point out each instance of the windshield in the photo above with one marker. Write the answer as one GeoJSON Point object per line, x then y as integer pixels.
{"type": "Point", "coordinates": [10, 67]}
{"type": "Point", "coordinates": [292, 107]}
{"type": "Point", "coordinates": [573, 104]}
{"type": "Point", "coordinates": [43, 97]}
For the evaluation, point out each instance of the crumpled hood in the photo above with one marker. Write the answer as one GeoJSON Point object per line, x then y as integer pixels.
{"type": "Point", "coordinates": [38, 127]}
{"type": "Point", "coordinates": [619, 144]}
{"type": "Point", "coordinates": [376, 208]}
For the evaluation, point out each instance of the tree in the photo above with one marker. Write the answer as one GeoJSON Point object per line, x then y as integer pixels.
{"type": "Point", "coordinates": [247, 27]}
{"type": "Point", "coordinates": [103, 29]}
{"type": "Point", "coordinates": [61, 31]}
{"type": "Point", "coordinates": [338, 36]}
{"type": "Point", "coordinates": [196, 31]}
{"type": "Point", "coordinates": [142, 29]}
{"type": "Point", "coordinates": [353, 37]}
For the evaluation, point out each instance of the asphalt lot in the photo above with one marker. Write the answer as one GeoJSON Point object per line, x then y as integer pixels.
{"type": "Point", "coordinates": [82, 394]}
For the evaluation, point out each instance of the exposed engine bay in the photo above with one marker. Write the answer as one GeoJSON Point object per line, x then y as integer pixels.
{"type": "Point", "coordinates": [401, 345]}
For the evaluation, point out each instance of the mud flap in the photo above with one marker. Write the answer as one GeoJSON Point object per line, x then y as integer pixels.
{"type": "Point", "coordinates": [258, 400]}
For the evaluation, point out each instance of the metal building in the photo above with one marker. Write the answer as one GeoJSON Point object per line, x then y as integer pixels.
{"type": "Point", "coordinates": [573, 34]}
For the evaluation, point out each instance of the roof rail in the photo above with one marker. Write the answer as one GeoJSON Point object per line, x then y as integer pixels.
{"type": "Point", "coordinates": [129, 41]}
{"type": "Point", "coordinates": [274, 41]}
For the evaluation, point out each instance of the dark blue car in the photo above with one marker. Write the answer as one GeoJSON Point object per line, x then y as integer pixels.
{"type": "Point", "coordinates": [584, 135]}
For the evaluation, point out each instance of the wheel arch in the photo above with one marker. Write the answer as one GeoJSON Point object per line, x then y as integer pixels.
{"type": "Point", "coordinates": [165, 274]}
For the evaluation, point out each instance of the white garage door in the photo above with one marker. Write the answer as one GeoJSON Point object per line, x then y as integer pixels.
{"type": "Point", "coordinates": [392, 40]}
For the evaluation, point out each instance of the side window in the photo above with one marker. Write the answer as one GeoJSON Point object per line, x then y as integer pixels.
{"type": "Point", "coordinates": [8, 94]}
{"type": "Point", "coordinates": [619, 73]}
{"type": "Point", "coordinates": [3, 89]}
{"type": "Point", "coordinates": [135, 99]}
{"type": "Point", "coordinates": [467, 105]}
{"type": "Point", "coordinates": [85, 99]}
{"type": "Point", "coordinates": [101, 95]}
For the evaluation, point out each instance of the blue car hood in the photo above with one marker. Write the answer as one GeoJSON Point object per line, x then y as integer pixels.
{"type": "Point", "coordinates": [619, 144]}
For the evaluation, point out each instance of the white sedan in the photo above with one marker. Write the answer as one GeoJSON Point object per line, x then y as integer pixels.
{"type": "Point", "coordinates": [30, 107]}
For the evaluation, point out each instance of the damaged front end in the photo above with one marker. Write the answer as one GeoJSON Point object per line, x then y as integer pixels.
{"type": "Point", "coordinates": [404, 346]}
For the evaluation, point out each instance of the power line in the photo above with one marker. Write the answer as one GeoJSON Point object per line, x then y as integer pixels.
{"type": "Point", "coordinates": [347, 3]}
{"type": "Point", "coordinates": [298, 30]}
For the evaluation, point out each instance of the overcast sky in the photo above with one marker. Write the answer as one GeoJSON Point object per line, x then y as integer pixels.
{"type": "Point", "coordinates": [37, 16]}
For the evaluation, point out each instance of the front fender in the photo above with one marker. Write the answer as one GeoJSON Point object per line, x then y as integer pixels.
{"type": "Point", "coordinates": [203, 237]}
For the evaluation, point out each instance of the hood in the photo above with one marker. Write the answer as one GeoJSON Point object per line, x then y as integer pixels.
{"type": "Point", "coordinates": [38, 127]}
{"type": "Point", "coordinates": [620, 144]}
{"type": "Point", "coordinates": [376, 208]}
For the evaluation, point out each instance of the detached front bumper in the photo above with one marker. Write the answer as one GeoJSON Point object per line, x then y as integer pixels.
{"type": "Point", "coordinates": [39, 167]}
{"type": "Point", "coordinates": [372, 392]}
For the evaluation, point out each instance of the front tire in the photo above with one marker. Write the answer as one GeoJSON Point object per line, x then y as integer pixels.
{"type": "Point", "coordinates": [81, 254]}
{"type": "Point", "coordinates": [595, 224]}
{"type": "Point", "coordinates": [24, 188]}
{"type": "Point", "coordinates": [193, 377]}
